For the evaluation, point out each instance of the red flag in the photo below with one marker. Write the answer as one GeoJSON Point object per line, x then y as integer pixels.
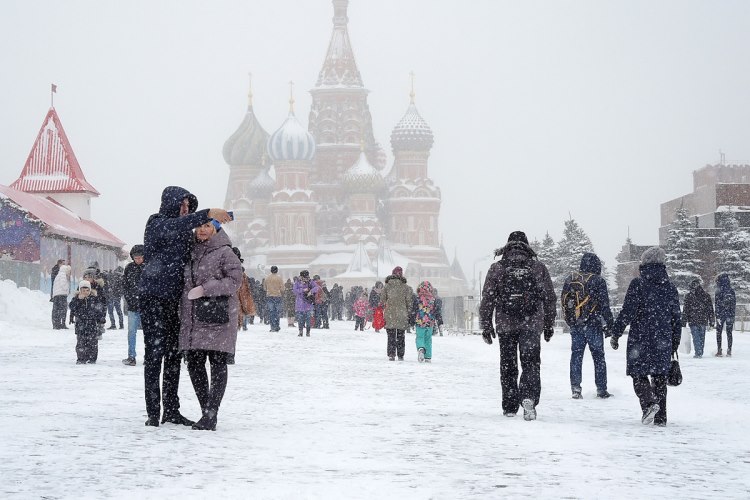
{"type": "Point", "coordinates": [54, 88]}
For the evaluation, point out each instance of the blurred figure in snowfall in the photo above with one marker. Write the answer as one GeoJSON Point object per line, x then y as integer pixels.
{"type": "Point", "coordinates": [320, 318]}
{"type": "Point", "coordinates": [726, 304]}
{"type": "Point", "coordinates": [698, 312]}
{"type": "Point", "coordinates": [652, 309]}
{"type": "Point", "coordinates": [590, 320]}
{"type": "Point", "coordinates": [424, 307]}
{"type": "Point", "coordinates": [289, 302]}
{"type": "Point", "coordinates": [254, 291]}
{"type": "Point", "coordinates": [518, 293]}
{"type": "Point", "coordinates": [209, 311]}
{"type": "Point", "coordinates": [168, 240]}
{"type": "Point", "coordinates": [130, 280]}
{"type": "Point", "coordinates": [245, 296]}
{"type": "Point", "coordinates": [351, 296]}
{"type": "Point", "coordinates": [114, 291]}
{"type": "Point", "coordinates": [337, 302]}
{"type": "Point", "coordinates": [397, 301]}
{"type": "Point", "coordinates": [360, 312]}
{"type": "Point", "coordinates": [52, 275]}
{"type": "Point", "coordinates": [438, 313]}
{"type": "Point", "coordinates": [378, 315]}
{"type": "Point", "coordinates": [305, 291]}
{"type": "Point", "coordinates": [88, 310]}
{"type": "Point", "coordinates": [274, 288]}
{"type": "Point", "coordinates": [60, 291]}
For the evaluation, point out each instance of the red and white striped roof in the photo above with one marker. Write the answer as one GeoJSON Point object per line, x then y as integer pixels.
{"type": "Point", "coordinates": [52, 166]}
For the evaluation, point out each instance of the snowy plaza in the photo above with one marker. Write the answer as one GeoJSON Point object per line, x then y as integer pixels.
{"type": "Point", "coordinates": [330, 417]}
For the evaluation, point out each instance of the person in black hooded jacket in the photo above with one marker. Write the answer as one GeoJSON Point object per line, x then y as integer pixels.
{"type": "Point", "coordinates": [726, 304]}
{"type": "Point", "coordinates": [652, 309]}
{"type": "Point", "coordinates": [698, 312]}
{"type": "Point", "coordinates": [591, 326]}
{"type": "Point", "coordinates": [167, 243]}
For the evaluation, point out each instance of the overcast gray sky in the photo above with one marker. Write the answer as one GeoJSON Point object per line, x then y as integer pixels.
{"type": "Point", "coordinates": [600, 109]}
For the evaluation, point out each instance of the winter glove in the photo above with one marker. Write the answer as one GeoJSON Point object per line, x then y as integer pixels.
{"type": "Point", "coordinates": [614, 342]}
{"type": "Point", "coordinates": [196, 293]}
{"type": "Point", "coordinates": [488, 335]}
{"type": "Point", "coordinates": [548, 332]}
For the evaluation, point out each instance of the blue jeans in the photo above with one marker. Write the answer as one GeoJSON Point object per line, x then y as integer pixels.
{"type": "Point", "coordinates": [581, 336]}
{"type": "Point", "coordinates": [274, 311]}
{"type": "Point", "coordinates": [134, 322]}
{"type": "Point", "coordinates": [303, 320]}
{"type": "Point", "coordinates": [699, 338]}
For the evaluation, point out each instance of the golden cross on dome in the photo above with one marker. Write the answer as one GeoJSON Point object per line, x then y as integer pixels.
{"type": "Point", "coordinates": [411, 74]}
{"type": "Point", "coordinates": [291, 96]}
{"type": "Point", "coordinates": [250, 91]}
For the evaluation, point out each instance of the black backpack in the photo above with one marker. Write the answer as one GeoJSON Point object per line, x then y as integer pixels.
{"type": "Point", "coordinates": [519, 292]}
{"type": "Point", "coordinates": [576, 301]}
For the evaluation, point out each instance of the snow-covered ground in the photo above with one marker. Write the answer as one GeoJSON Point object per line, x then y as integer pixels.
{"type": "Point", "coordinates": [330, 417]}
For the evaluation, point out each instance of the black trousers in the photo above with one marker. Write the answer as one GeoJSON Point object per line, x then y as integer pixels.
{"type": "Point", "coordinates": [209, 394]}
{"type": "Point", "coordinates": [650, 392]}
{"type": "Point", "coordinates": [87, 346]}
{"type": "Point", "coordinates": [528, 344]}
{"type": "Point", "coordinates": [161, 333]}
{"type": "Point", "coordinates": [720, 326]}
{"type": "Point", "coordinates": [396, 342]}
{"type": "Point", "coordinates": [59, 311]}
{"type": "Point", "coordinates": [359, 323]}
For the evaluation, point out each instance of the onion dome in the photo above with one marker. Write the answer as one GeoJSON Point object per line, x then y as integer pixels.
{"type": "Point", "coordinates": [291, 142]}
{"type": "Point", "coordinates": [412, 133]}
{"type": "Point", "coordinates": [362, 177]}
{"type": "Point", "coordinates": [263, 184]}
{"type": "Point", "coordinates": [248, 144]}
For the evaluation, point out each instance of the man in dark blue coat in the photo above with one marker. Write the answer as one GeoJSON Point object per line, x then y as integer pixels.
{"type": "Point", "coordinates": [168, 239]}
{"type": "Point", "coordinates": [726, 303]}
{"type": "Point", "coordinates": [652, 309]}
{"type": "Point", "coordinates": [594, 322]}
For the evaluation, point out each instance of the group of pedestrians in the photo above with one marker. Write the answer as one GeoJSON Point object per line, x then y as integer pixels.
{"type": "Point", "coordinates": [519, 296]}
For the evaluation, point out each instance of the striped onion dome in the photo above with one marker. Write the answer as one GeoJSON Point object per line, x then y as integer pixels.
{"type": "Point", "coordinates": [362, 177]}
{"type": "Point", "coordinates": [263, 184]}
{"type": "Point", "coordinates": [291, 142]}
{"type": "Point", "coordinates": [248, 144]}
{"type": "Point", "coordinates": [412, 133]}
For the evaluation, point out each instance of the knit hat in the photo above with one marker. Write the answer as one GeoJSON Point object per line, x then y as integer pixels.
{"type": "Point", "coordinates": [274, 269]}
{"type": "Point", "coordinates": [90, 271]}
{"type": "Point", "coordinates": [136, 251]}
{"type": "Point", "coordinates": [305, 273]}
{"type": "Point", "coordinates": [397, 271]}
{"type": "Point", "coordinates": [84, 284]}
{"type": "Point", "coordinates": [518, 236]}
{"type": "Point", "coordinates": [654, 255]}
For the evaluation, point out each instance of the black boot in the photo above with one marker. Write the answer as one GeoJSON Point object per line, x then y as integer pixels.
{"type": "Point", "coordinates": [176, 418]}
{"type": "Point", "coordinates": [152, 422]}
{"type": "Point", "coordinates": [207, 422]}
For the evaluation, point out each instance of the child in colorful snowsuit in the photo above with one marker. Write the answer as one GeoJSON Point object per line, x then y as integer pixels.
{"type": "Point", "coordinates": [424, 307]}
{"type": "Point", "coordinates": [89, 310]}
{"type": "Point", "coordinates": [360, 311]}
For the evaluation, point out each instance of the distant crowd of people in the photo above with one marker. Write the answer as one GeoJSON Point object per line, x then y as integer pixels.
{"type": "Point", "coordinates": [187, 290]}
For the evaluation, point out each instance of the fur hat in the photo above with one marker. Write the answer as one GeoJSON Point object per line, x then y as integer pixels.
{"type": "Point", "coordinates": [653, 255]}
{"type": "Point", "coordinates": [84, 284]}
{"type": "Point", "coordinates": [398, 271]}
{"type": "Point", "coordinates": [518, 236]}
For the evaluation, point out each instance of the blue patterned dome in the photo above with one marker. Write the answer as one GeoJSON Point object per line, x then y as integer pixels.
{"type": "Point", "coordinates": [291, 142]}
{"type": "Point", "coordinates": [412, 133]}
{"type": "Point", "coordinates": [362, 177]}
